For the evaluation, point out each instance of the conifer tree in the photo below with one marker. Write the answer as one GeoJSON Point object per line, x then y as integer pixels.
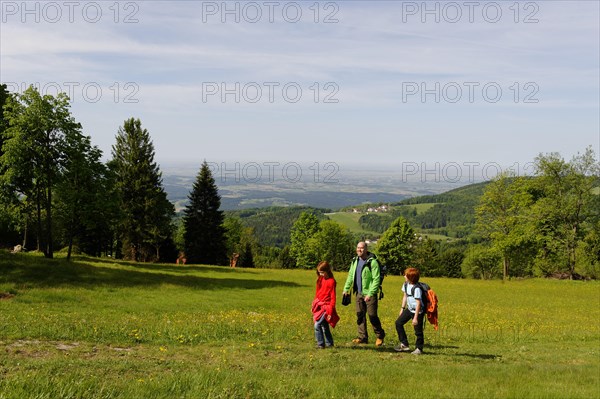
{"type": "Point", "coordinates": [146, 213]}
{"type": "Point", "coordinates": [204, 235]}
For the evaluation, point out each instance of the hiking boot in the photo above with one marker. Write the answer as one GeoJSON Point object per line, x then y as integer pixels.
{"type": "Point", "coordinates": [359, 341]}
{"type": "Point", "coordinates": [401, 348]}
{"type": "Point", "coordinates": [417, 352]}
{"type": "Point", "coordinates": [379, 342]}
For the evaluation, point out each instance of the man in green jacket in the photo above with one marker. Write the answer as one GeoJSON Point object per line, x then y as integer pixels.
{"type": "Point", "coordinates": [363, 279]}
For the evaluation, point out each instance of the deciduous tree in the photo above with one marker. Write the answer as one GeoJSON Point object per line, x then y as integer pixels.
{"type": "Point", "coordinates": [305, 227]}
{"type": "Point", "coordinates": [34, 154]}
{"type": "Point", "coordinates": [333, 243]}
{"type": "Point", "coordinates": [503, 216]}
{"type": "Point", "coordinates": [396, 245]}
{"type": "Point", "coordinates": [564, 205]}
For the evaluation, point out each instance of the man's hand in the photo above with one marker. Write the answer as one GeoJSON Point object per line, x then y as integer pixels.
{"type": "Point", "coordinates": [367, 298]}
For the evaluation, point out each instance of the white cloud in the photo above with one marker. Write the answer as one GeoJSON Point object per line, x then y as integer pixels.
{"type": "Point", "coordinates": [371, 54]}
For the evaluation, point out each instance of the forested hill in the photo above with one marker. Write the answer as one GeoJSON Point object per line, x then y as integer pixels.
{"type": "Point", "coordinates": [468, 194]}
{"type": "Point", "coordinates": [450, 214]}
{"type": "Point", "coordinates": [272, 225]}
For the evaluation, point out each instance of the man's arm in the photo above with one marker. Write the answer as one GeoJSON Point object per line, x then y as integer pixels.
{"type": "Point", "coordinates": [375, 278]}
{"type": "Point", "coordinates": [350, 278]}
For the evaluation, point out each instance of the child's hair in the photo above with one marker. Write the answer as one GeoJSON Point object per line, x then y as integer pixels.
{"type": "Point", "coordinates": [412, 274]}
{"type": "Point", "coordinates": [323, 267]}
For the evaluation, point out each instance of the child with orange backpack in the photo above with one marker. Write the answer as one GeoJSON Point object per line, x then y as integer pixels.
{"type": "Point", "coordinates": [412, 309]}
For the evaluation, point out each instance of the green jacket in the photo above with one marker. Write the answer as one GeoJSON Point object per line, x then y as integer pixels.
{"type": "Point", "coordinates": [371, 276]}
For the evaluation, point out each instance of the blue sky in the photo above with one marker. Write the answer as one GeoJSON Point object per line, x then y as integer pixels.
{"type": "Point", "coordinates": [351, 82]}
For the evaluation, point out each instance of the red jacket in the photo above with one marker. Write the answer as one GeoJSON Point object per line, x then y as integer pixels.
{"type": "Point", "coordinates": [324, 301]}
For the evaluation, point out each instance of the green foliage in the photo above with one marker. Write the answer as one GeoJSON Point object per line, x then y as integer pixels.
{"type": "Point", "coordinates": [425, 257]}
{"type": "Point", "coordinates": [452, 215]}
{"type": "Point", "coordinates": [4, 95]}
{"type": "Point", "coordinates": [481, 262]}
{"type": "Point", "coordinates": [205, 240]}
{"type": "Point", "coordinates": [272, 226]}
{"type": "Point", "coordinates": [539, 225]}
{"type": "Point", "coordinates": [305, 227]}
{"type": "Point", "coordinates": [314, 241]}
{"type": "Point", "coordinates": [449, 263]}
{"type": "Point", "coordinates": [449, 214]}
{"type": "Point", "coordinates": [588, 253]}
{"type": "Point", "coordinates": [233, 234]}
{"type": "Point", "coordinates": [85, 200]}
{"type": "Point", "coordinates": [394, 248]}
{"type": "Point", "coordinates": [375, 222]}
{"type": "Point", "coordinates": [285, 258]}
{"type": "Point", "coordinates": [267, 257]}
{"type": "Point", "coordinates": [246, 257]}
{"type": "Point", "coordinates": [35, 148]}
{"type": "Point", "coordinates": [144, 223]}
{"type": "Point", "coordinates": [564, 209]}
{"type": "Point", "coordinates": [502, 217]}
{"type": "Point", "coordinates": [332, 243]}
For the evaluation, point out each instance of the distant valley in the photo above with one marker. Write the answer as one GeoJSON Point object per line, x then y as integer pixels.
{"type": "Point", "coordinates": [346, 187]}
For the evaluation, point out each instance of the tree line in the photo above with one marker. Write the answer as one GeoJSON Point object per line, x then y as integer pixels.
{"type": "Point", "coordinates": [55, 192]}
{"type": "Point", "coordinates": [545, 225]}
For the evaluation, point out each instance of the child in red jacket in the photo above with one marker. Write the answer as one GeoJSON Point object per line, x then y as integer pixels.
{"type": "Point", "coordinates": [323, 306]}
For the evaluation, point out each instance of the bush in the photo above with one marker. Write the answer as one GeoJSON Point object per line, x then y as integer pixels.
{"type": "Point", "coordinates": [481, 262]}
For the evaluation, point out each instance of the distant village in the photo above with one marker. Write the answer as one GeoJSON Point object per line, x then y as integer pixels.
{"type": "Point", "coordinates": [380, 208]}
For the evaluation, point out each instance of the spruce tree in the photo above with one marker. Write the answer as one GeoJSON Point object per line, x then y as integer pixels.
{"type": "Point", "coordinates": [204, 235]}
{"type": "Point", "coordinates": [146, 213]}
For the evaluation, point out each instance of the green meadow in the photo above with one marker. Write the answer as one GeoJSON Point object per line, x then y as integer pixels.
{"type": "Point", "coordinates": [96, 328]}
{"type": "Point", "coordinates": [350, 221]}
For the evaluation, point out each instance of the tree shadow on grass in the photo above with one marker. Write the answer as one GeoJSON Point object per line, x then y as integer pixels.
{"type": "Point", "coordinates": [481, 356]}
{"type": "Point", "coordinates": [39, 272]}
{"type": "Point", "coordinates": [163, 266]}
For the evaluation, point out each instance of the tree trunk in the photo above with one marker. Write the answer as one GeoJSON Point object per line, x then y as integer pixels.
{"type": "Point", "coordinates": [49, 244]}
{"type": "Point", "coordinates": [39, 219]}
{"type": "Point", "coordinates": [573, 253]}
{"type": "Point", "coordinates": [71, 230]}
{"type": "Point", "coordinates": [25, 236]}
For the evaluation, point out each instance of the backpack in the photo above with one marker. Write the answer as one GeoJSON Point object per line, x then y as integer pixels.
{"type": "Point", "coordinates": [429, 301]}
{"type": "Point", "coordinates": [382, 273]}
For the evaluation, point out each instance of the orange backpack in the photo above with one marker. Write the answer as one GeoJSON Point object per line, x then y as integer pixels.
{"type": "Point", "coordinates": [429, 301]}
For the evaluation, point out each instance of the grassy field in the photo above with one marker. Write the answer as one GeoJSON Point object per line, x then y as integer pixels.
{"type": "Point", "coordinates": [350, 221]}
{"type": "Point", "coordinates": [421, 208]}
{"type": "Point", "coordinates": [99, 329]}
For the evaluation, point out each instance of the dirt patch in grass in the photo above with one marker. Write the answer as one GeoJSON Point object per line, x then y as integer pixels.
{"type": "Point", "coordinates": [6, 295]}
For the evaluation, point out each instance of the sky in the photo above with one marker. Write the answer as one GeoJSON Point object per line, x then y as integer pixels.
{"type": "Point", "coordinates": [361, 83]}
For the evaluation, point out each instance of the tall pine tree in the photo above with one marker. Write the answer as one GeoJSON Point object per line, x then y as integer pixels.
{"type": "Point", "coordinates": [146, 213]}
{"type": "Point", "coordinates": [203, 221]}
